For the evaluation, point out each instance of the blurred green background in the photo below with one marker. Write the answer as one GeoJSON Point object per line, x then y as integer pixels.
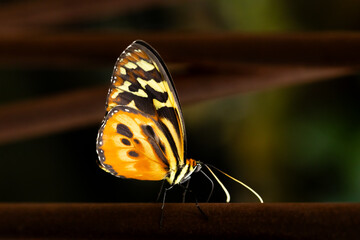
{"type": "Point", "coordinates": [291, 144]}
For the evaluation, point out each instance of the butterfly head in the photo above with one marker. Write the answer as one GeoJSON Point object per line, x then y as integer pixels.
{"type": "Point", "coordinates": [195, 166]}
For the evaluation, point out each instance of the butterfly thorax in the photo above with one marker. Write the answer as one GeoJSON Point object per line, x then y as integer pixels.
{"type": "Point", "coordinates": [183, 173]}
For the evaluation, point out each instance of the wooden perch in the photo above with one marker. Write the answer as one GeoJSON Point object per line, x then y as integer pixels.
{"type": "Point", "coordinates": [291, 221]}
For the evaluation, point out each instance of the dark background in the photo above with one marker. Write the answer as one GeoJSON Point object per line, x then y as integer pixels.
{"type": "Point", "coordinates": [297, 143]}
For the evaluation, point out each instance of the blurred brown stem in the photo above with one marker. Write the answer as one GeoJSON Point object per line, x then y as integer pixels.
{"type": "Point", "coordinates": [203, 66]}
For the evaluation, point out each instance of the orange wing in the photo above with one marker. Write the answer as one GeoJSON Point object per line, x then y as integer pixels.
{"type": "Point", "coordinates": [131, 144]}
{"type": "Point", "coordinates": [142, 101]}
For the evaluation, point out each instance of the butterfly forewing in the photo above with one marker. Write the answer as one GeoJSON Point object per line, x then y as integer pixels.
{"type": "Point", "coordinates": [142, 83]}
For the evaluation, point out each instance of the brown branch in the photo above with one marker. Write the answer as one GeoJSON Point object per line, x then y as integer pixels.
{"type": "Point", "coordinates": [292, 221]}
{"type": "Point", "coordinates": [71, 50]}
{"type": "Point", "coordinates": [85, 107]}
{"type": "Point", "coordinates": [204, 66]}
{"type": "Point", "coordinates": [208, 81]}
{"type": "Point", "coordinates": [36, 16]}
{"type": "Point", "coordinates": [52, 114]}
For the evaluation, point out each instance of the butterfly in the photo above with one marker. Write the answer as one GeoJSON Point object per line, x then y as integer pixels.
{"type": "Point", "coordinates": [143, 134]}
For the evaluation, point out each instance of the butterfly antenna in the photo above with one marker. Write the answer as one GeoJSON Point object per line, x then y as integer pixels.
{"type": "Point", "coordinates": [222, 185]}
{"type": "Point", "coordinates": [236, 180]}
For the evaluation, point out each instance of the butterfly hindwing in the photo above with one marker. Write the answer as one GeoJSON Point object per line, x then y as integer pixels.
{"type": "Point", "coordinates": [131, 145]}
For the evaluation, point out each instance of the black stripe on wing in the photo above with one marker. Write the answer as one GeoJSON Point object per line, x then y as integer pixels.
{"type": "Point", "coordinates": [173, 114]}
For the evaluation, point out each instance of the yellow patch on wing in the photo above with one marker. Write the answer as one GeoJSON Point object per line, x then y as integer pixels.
{"type": "Point", "coordinates": [177, 139]}
{"type": "Point", "coordinates": [159, 87]}
{"type": "Point", "coordinates": [142, 82]}
{"type": "Point", "coordinates": [130, 65]}
{"type": "Point", "coordinates": [159, 104]}
{"type": "Point", "coordinates": [132, 104]}
{"type": "Point", "coordinates": [122, 71]}
{"type": "Point", "coordinates": [125, 87]}
{"type": "Point", "coordinates": [145, 65]}
{"type": "Point", "coordinates": [115, 92]}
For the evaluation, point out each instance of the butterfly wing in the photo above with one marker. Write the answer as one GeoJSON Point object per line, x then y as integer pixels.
{"type": "Point", "coordinates": [130, 145]}
{"type": "Point", "coordinates": [142, 83]}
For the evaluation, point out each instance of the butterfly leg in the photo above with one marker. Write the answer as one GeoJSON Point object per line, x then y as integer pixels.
{"type": "Point", "coordinates": [212, 185]}
{"type": "Point", "coordinates": [162, 206]}
{"type": "Point", "coordinates": [161, 189]}
{"type": "Point", "coordinates": [200, 210]}
{"type": "Point", "coordinates": [185, 190]}
{"type": "Point", "coordinates": [196, 202]}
